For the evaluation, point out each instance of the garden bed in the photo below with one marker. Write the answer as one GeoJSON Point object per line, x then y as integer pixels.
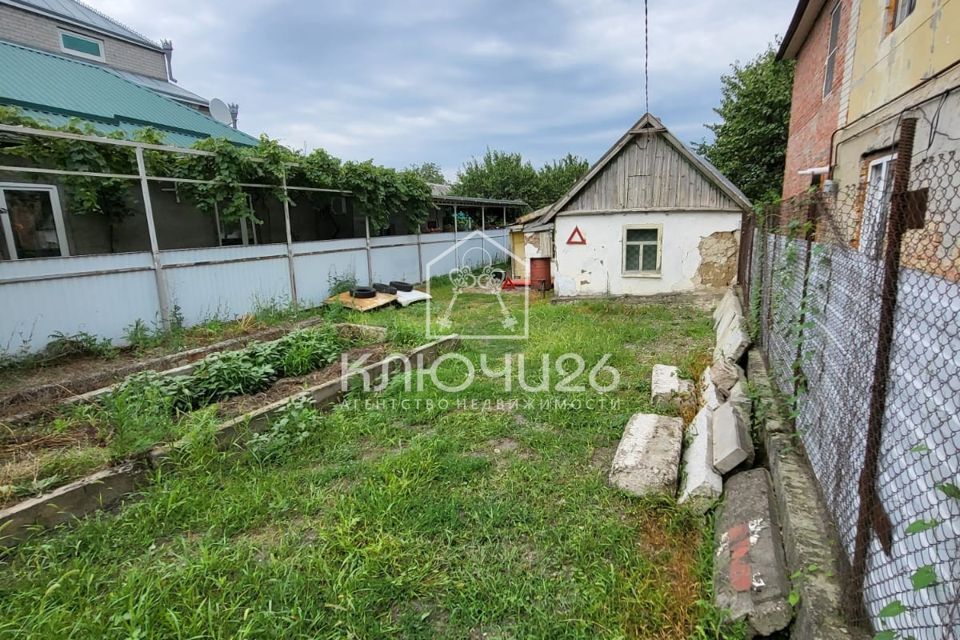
{"type": "Point", "coordinates": [108, 425]}
{"type": "Point", "coordinates": [27, 391]}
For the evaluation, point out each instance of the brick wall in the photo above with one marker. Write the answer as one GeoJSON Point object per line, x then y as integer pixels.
{"type": "Point", "coordinates": [40, 32]}
{"type": "Point", "coordinates": [813, 116]}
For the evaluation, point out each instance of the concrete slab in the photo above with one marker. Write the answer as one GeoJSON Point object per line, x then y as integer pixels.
{"type": "Point", "coordinates": [726, 321]}
{"type": "Point", "coordinates": [729, 303]}
{"type": "Point", "coordinates": [732, 343]}
{"type": "Point", "coordinates": [708, 391]}
{"type": "Point", "coordinates": [732, 445]}
{"type": "Point", "coordinates": [750, 578]}
{"type": "Point", "coordinates": [647, 459]}
{"type": "Point", "coordinates": [725, 375]}
{"type": "Point", "coordinates": [667, 387]}
{"type": "Point", "coordinates": [701, 484]}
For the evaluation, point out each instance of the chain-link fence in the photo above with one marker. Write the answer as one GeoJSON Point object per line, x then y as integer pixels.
{"type": "Point", "coordinates": [856, 298]}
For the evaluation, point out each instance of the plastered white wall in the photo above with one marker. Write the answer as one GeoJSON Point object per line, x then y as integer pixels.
{"type": "Point", "coordinates": [596, 268]}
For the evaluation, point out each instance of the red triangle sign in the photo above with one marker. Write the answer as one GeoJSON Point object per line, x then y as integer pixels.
{"type": "Point", "coordinates": [576, 237]}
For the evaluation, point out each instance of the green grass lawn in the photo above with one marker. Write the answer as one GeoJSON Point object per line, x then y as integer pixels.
{"type": "Point", "coordinates": [450, 515]}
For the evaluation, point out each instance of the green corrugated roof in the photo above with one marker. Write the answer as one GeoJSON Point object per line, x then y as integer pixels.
{"type": "Point", "coordinates": [53, 88]}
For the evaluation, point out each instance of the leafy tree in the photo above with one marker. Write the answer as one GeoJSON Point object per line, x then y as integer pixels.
{"type": "Point", "coordinates": [750, 141]}
{"type": "Point", "coordinates": [558, 176]}
{"type": "Point", "coordinates": [428, 171]}
{"type": "Point", "coordinates": [508, 176]}
{"type": "Point", "coordinates": [499, 175]}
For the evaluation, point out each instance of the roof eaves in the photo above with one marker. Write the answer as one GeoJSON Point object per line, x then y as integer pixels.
{"type": "Point", "coordinates": [804, 17]}
{"type": "Point", "coordinates": [470, 200]}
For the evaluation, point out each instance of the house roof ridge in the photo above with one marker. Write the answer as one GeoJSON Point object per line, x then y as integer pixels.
{"type": "Point", "coordinates": [117, 23]}
{"type": "Point", "coordinates": [119, 29]}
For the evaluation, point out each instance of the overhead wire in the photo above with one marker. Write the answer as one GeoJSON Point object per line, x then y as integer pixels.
{"type": "Point", "coordinates": [646, 57]}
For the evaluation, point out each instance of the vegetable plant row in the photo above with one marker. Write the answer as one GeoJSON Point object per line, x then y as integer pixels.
{"type": "Point", "coordinates": [233, 373]}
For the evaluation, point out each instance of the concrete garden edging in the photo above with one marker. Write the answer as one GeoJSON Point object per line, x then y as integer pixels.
{"type": "Point", "coordinates": [105, 489]}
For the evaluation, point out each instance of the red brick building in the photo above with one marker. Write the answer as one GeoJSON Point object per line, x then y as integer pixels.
{"type": "Point", "coordinates": [817, 40]}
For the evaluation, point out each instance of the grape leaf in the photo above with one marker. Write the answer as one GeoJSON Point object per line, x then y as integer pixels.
{"type": "Point", "coordinates": [925, 576]}
{"type": "Point", "coordinates": [919, 526]}
{"type": "Point", "coordinates": [892, 609]}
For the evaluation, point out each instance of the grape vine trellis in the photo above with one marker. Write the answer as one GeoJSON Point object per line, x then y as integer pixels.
{"type": "Point", "coordinates": [379, 193]}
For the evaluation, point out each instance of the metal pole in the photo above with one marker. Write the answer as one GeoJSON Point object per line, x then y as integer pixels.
{"type": "Point", "coordinates": [294, 300]}
{"type": "Point", "coordinates": [366, 223]}
{"type": "Point", "coordinates": [456, 249]}
{"type": "Point", "coordinates": [871, 516]}
{"type": "Point", "coordinates": [154, 245]}
{"type": "Point", "coordinates": [483, 229]}
{"type": "Point", "coordinates": [420, 254]}
{"type": "Point", "coordinates": [216, 217]}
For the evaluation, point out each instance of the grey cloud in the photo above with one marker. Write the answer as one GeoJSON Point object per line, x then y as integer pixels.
{"type": "Point", "coordinates": [412, 81]}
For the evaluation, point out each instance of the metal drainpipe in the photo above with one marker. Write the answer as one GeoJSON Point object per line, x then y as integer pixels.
{"type": "Point", "coordinates": [294, 300]}
{"type": "Point", "coordinates": [154, 245]}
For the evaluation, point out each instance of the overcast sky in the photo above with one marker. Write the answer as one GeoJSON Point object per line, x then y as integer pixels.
{"type": "Point", "coordinates": [407, 81]}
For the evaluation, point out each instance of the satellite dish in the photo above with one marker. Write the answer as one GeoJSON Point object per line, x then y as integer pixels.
{"type": "Point", "coordinates": [220, 112]}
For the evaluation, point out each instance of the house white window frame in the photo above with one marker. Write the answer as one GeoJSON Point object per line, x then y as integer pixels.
{"type": "Point", "coordinates": [833, 48]}
{"type": "Point", "coordinates": [627, 273]}
{"type": "Point", "coordinates": [876, 207]}
{"type": "Point", "coordinates": [54, 194]}
{"type": "Point", "coordinates": [81, 54]}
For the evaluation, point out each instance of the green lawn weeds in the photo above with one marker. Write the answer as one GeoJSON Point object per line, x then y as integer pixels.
{"type": "Point", "coordinates": [413, 514]}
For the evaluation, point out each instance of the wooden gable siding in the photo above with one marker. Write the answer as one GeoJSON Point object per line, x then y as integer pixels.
{"type": "Point", "coordinates": [648, 173]}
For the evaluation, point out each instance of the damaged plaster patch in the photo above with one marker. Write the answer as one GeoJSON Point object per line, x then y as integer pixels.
{"type": "Point", "coordinates": [718, 259]}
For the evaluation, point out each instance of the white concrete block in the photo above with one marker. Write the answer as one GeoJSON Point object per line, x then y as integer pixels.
{"type": "Point", "coordinates": [732, 445]}
{"type": "Point", "coordinates": [666, 385]}
{"type": "Point", "coordinates": [732, 343]}
{"type": "Point", "coordinates": [708, 391]}
{"type": "Point", "coordinates": [725, 375]}
{"type": "Point", "coordinates": [647, 459]}
{"type": "Point", "coordinates": [702, 485]}
{"type": "Point", "coordinates": [729, 304]}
